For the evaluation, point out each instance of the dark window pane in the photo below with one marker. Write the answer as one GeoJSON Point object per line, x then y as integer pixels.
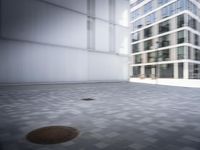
{"type": "Point", "coordinates": [192, 22]}
{"type": "Point", "coordinates": [163, 55]}
{"type": "Point", "coordinates": [136, 71]}
{"type": "Point", "coordinates": [150, 71]}
{"type": "Point", "coordinates": [180, 52]}
{"type": "Point", "coordinates": [180, 70]}
{"type": "Point", "coordinates": [151, 57]}
{"type": "Point", "coordinates": [148, 32]}
{"type": "Point", "coordinates": [196, 39]}
{"type": "Point", "coordinates": [164, 41]}
{"type": "Point", "coordinates": [197, 54]}
{"type": "Point", "coordinates": [135, 48]}
{"type": "Point", "coordinates": [166, 70]}
{"type": "Point", "coordinates": [138, 59]}
{"type": "Point", "coordinates": [148, 45]}
{"type": "Point", "coordinates": [180, 37]}
{"type": "Point", "coordinates": [164, 27]}
{"type": "Point", "coordinates": [180, 21]}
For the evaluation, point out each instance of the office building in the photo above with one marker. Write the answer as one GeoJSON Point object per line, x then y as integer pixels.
{"type": "Point", "coordinates": [165, 39]}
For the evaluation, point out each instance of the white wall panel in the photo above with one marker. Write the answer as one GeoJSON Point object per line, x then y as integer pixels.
{"type": "Point", "coordinates": [102, 9]}
{"type": "Point", "coordinates": [40, 22]}
{"type": "Point", "coordinates": [122, 12]}
{"type": "Point", "coordinates": [122, 40]}
{"type": "Point", "coordinates": [101, 36]}
{"type": "Point", "coordinates": [34, 30]}
{"type": "Point", "coordinates": [25, 62]}
{"type": "Point", "coordinates": [78, 5]}
{"type": "Point", "coordinates": [107, 67]}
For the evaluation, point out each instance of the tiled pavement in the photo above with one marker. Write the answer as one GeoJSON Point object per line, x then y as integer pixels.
{"type": "Point", "coordinates": [123, 116]}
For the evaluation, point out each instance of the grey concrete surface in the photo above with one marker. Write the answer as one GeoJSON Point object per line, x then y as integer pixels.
{"type": "Point", "coordinates": [123, 116]}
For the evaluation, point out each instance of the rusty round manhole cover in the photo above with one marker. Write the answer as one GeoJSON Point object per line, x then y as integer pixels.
{"type": "Point", "coordinates": [87, 99]}
{"type": "Point", "coordinates": [52, 135]}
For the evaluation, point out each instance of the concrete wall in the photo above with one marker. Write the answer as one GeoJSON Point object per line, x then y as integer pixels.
{"type": "Point", "coordinates": [54, 41]}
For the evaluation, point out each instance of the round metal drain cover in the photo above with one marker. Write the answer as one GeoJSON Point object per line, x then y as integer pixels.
{"type": "Point", "coordinates": [52, 135]}
{"type": "Point", "coordinates": [87, 99]}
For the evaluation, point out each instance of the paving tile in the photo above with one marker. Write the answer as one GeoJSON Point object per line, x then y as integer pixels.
{"type": "Point", "coordinates": [123, 116]}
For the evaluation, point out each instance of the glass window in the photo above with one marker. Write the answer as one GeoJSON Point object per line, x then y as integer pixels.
{"type": "Point", "coordinates": [137, 24]}
{"type": "Point", "coordinates": [166, 70]}
{"type": "Point", "coordinates": [196, 71]}
{"type": "Point", "coordinates": [196, 39]}
{"type": "Point", "coordinates": [180, 5]}
{"type": "Point", "coordinates": [188, 37]}
{"type": "Point", "coordinates": [189, 50]}
{"type": "Point", "coordinates": [148, 32]}
{"type": "Point", "coordinates": [164, 41]}
{"type": "Point", "coordinates": [180, 21]}
{"type": "Point", "coordinates": [190, 5]}
{"type": "Point", "coordinates": [180, 70]}
{"type": "Point", "coordinates": [197, 54]}
{"type": "Point", "coordinates": [168, 10]}
{"type": "Point", "coordinates": [136, 71]}
{"type": "Point", "coordinates": [172, 9]}
{"type": "Point", "coordinates": [138, 59]}
{"type": "Point", "coordinates": [150, 71]}
{"type": "Point", "coordinates": [150, 18]}
{"type": "Point", "coordinates": [151, 57]}
{"type": "Point", "coordinates": [148, 7]}
{"type": "Point", "coordinates": [180, 37]}
{"type": "Point", "coordinates": [192, 22]}
{"type": "Point", "coordinates": [148, 45]}
{"type": "Point", "coordinates": [135, 14]}
{"type": "Point", "coordinates": [162, 2]}
{"type": "Point", "coordinates": [164, 12]}
{"type": "Point", "coordinates": [135, 48]}
{"type": "Point", "coordinates": [180, 53]}
{"type": "Point", "coordinates": [164, 27]}
{"type": "Point", "coordinates": [163, 55]}
{"type": "Point", "coordinates": [135, 37]}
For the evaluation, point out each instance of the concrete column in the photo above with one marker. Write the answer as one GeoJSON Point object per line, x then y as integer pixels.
{"type": "Point", "coordinates": [173, 38]}
{"type": "Point", "coordinates": [185, 70]}
{"type": "Point", "coordinates": [132, 59]}
{"type": "Point", "coordinates": [154, 30]}
{"type": "Point", "coordinates": [141, 46]}
{"type": "Point", "coordinates": [141, 34]}
{"type": "Point", "coordinates": [173, 24]}
{"type": "Point", "coordinates": [175, 70]}
{"type": "Point", "coordinates": [192, 53]}
{"type": "Point", "coordinates": [173, 53]}
{"type": "Point", "coordinates": [142, 71]}
{"type": "Point", "coordinates": [144, 58]}
{"type": "Point", "coordinates": [185, 52]}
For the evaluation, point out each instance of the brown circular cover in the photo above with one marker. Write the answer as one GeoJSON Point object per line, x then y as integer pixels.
{"type": "Point", "coordinates": [52, 135]}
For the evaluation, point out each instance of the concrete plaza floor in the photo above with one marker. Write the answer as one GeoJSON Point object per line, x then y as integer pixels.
{"type": "Point", "coordinates": [123, 116]}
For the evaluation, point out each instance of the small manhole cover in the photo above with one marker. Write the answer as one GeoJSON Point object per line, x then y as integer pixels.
{"type": "Point", "coordinates": [87, 99]}
{"type": "Point", "coordinates": [52, 135]}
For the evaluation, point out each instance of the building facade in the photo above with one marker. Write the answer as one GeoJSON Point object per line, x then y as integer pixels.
{"type": "Point", "coordinates": [165, 40]}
